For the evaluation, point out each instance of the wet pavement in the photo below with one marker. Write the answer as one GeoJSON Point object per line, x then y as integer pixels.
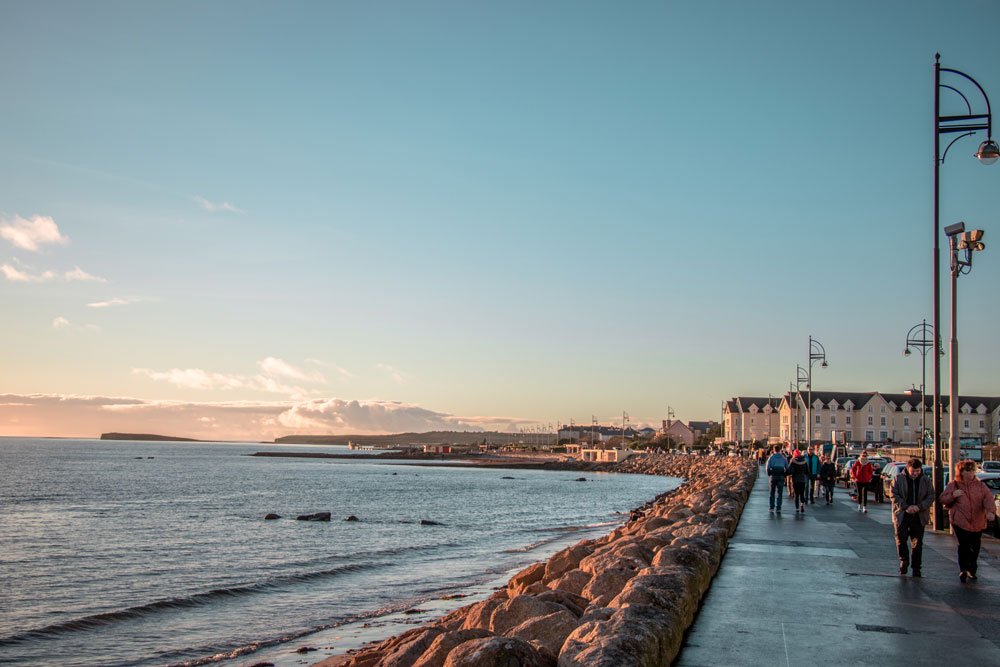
{"type": "Point", "coordinates": [823, 588]}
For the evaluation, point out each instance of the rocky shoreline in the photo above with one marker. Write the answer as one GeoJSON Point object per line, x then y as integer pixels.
{"type": "Point", "coordinates": [622, 599]}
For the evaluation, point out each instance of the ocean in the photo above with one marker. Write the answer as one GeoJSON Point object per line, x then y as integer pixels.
{"type": "Point", "coordinates": [143, 553]}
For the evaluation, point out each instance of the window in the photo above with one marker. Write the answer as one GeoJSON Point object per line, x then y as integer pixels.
{"type": "Point", "coordinates": [965, 426]}
{"type": "Point", "coordinates": [906, 421]}
{"type": "Point", "coordinates": [966, 423]}
{"type": "Point", "coordinates": [882, 435]}
{"type": "Point", "coordinates": [982, 424]}
{"type": "Point", "coordinates": [848, 419]}
{"type": "Point", "coordinates": [882, 409]}
{"type": "Point", "coordinates": [869, 435]}
{"type": "Point", "coordinates": [881, 421]}
{"type": "Point", "coordinates": [869, 421]}
{"type": "Point", "coordinates": [833, 419]}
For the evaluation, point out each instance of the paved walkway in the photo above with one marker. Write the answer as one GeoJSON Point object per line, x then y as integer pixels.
{"type": "Point", "coordinates": [824, 588]}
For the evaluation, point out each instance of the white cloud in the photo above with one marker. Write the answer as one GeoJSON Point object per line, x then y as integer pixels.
{"type": "Point", "coordinates": [16, 275]}
{"type": "Point", "coordinates": [214, 207]}
{"type": "Point", "coordinates": [339, 370]}
{"type": "Point", "coordinates": [116, 301]}
{"type": "Point", "coordinates": [60, 323]}
{"type": "Point", "coordinates": [79, 275]}
{"type": "Point", "coordinates": [397, 375]}
{"type": "Point", "coordinates": [32, 233]}
{"type": "Point", "coordinates": [196, 378]}
{"type": "Point", "coordinates": [280, 368]}
{"type": "Point", "coordinates": [88, 416]}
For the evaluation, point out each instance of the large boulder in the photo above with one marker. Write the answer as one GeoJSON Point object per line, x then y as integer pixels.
{"type": "Point", "coordinates": [497, 652]}
{"type": "Point", "coordinates": [573, 581]}
{"type": "Point", "coordinates": [529, 575]}
{"type": "Point", "coordinates": [479, 613]}
{"type": "Point", "coordinates": [568, 559]}
{"type": "Point", "coordinates": [517, 610]}
{"type": "Point", "coordinates": [407, 653]}
{"type": "Point", "coordinates": [549, 632]}
{"type": "Point", "coordinates": [438, 651]}
{"type": "Point", "coordinates": [637, 635]}
{"type": "Point", "coordinates": [318, 516]}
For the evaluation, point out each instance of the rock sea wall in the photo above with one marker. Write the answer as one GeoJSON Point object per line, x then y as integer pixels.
{"type": "Point", "coordinates": [622, 599]}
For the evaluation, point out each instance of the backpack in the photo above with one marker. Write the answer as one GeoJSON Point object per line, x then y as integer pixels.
{"type": "Point", "coordinates": [777, 466]}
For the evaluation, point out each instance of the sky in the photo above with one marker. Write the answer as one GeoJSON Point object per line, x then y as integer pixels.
{"type": "Point", "coordinates": [241, 220]}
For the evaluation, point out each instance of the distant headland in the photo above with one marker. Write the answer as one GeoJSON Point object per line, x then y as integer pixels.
{"type": "Point", "coordinates": [145, 436]}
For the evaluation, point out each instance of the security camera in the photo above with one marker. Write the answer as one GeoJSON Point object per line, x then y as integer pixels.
{"type": "Point", "coordinates": [952, 230]}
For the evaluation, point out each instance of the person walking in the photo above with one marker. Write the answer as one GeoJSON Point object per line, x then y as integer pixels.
{"type": "Point", "coordinates": [798, 468]}
{"type": "Point", "coordinates": [812, 458]}
{"type": "Point", "coordinates": [827, 478]}
{"type": "Point", "coordinates": [912, 496]}
{"type": "Point", "coordinates": [777, 469]}
{"type": "Point", "coordinates": [970, 509]}
{"type": "Point", "coordinates": [862, 472]}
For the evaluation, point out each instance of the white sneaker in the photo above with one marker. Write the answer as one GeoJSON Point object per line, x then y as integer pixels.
{"type": "Point", "coordinates": [864, 510]}
{"type": "Point", "coordinates": [859, 508]}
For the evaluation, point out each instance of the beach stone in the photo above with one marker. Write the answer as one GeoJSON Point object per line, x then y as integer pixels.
{"type": "Point", "coordinates": [407, 653]}
{"type": "Point", "coordinates": [573, 581]}
{"type": "Point", "coordinates": [271, 517]}
{"type": "Point", "coordinates": [525, 578]}
{"type": "Point", "coordinates": [639, 635]}
{"type": "Point", "coordinates": [670, 588]}
{"type": "Point", "coordinates": [517, 610]}
{"type": "Point", "coordinates": [548, 631]}
{"type": "Point", "coordinates": [480, 612]}
{"type": "Point", "coordinates": [574, 603]}
{"type": "Point", "coordinates": [438, 651]}
{"type": "Point", "coordinates": [318, 516]}
{"type": "Point", "coordinates": [497, 652]}
{"type": "Point", "coordinates": [607, 584]}
{"type": "Point", "coordinates": [351, 518]}
{"type": "Point", "coordinates": [428, 522]}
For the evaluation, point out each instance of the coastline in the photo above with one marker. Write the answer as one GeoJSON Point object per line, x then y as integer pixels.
{"type": "Point", "coordinates": [628, 595]}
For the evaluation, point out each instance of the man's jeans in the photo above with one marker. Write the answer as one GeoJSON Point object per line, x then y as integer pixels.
{"type": "Point", "coordinates": [777, 487]}
{"type": "Point", "coordinates": [811, 489]}
{"type": "Point", "coordinates": [910, 530]}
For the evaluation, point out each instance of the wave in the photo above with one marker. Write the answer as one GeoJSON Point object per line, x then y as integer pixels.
{"type": "Point", "coordinates": [196, 600]}
{"type": "Point", "coordinates": [569, 529]}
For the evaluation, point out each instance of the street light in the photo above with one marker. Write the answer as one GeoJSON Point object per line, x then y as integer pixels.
{"type": "Point", "coordinates": [958, 240]}
{"type": "Point", "coordinates": [816, 353]}
{"type": "Point", "coordinates": [921, 336]}
{"type": "Point", "coordinates": [801, 378]}
{"type": "Point", "coordinates": [988, 153]}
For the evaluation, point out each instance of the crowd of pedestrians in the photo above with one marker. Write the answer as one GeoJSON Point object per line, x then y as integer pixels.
{"type": "Point", "coordinates": [970, 503]}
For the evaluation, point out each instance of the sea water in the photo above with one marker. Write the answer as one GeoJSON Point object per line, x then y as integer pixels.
{"type": "Point", "coordinates": [141, 553]}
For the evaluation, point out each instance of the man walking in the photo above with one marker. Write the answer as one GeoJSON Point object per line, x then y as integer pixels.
{"type": "Point", "coordinates": [812, 459]}
{"type": "Point", "coordinates": [777, 468]}
{"type": "Point", "coordinates": [912, 497]}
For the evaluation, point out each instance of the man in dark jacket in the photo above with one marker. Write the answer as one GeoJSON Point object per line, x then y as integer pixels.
{"type": "Point", "coordinates": [828, 478]}
{"type": "Point", "coordinates": [912, 497]}
{"type": "Point", "coordinates": [799, 470]}
{"type": "Point", "coordinates": [812, 459]}
{"type": "Point", "coordinates": [777, 468]}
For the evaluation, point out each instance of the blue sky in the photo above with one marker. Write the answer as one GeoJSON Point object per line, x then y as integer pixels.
{"type": "Point", "coordinates": [475, 213]}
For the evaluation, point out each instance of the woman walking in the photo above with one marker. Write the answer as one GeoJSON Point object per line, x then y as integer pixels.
{"type": "Point", "coordinates": [799, 471]}
{"type": "Point", "coordinates": [828, 478]}
{"type": "Point", "coordinates": [862, 472]}
{"type": "Point", "coordinates": [970, 509]}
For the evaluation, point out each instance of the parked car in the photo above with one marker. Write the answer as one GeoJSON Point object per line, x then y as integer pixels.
{"type": "Point", "coordinates": [889, 473]}
{"type": "Point", "coordinates": [990, 466]}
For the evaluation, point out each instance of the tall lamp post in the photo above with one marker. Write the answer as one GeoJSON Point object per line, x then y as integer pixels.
{"type": "Point", "coordinates": [801, 378]}
{"type": "Point", "coordinates": [816, 353]}
{"type": "Point", "coordinates": [960, 242]}
{"type": "Point", "coordinates": [988, 153]}
{"type": "Point", "coordinates": [921, 337]}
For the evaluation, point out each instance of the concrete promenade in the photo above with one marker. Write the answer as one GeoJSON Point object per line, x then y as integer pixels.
{"type": "Point", "coordinates": [823, 588]}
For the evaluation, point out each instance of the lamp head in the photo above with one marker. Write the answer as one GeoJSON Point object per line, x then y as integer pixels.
{"type": "Point", "coordinates": [971, 241]}
{"type": "Point", "coordinates": [906, 352]}
{"type": "Point", "coordinates": [955, 229]}
{"type": "Point", "coordinates": [988, 152]}
{"type": "Point", "coordinates": [824, 364]}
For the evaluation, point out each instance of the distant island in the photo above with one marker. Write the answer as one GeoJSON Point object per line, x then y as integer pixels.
{"type": "Point", "coordinates": [145, 436]}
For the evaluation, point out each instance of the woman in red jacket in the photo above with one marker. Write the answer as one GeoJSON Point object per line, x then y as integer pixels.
{"type": "Point", "coordinates": [970, 509]}
{"type": "Point", "coordinates": [862, 472]}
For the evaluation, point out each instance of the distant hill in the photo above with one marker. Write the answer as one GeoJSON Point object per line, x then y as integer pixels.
{"type": "Point", "coordinates": [145, 436]}
{"type": "Point", "coordinates": [429, 438]}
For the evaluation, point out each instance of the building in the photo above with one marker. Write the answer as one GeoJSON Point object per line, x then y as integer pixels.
{"type": "Point", "coordinates": [882, 417]}
{"type": "Point", "coordinates": [605, 455]}
{"type": "Point", "coordinates": [686, 434]}
{"type": "Point", "coordinates": [748, 419]}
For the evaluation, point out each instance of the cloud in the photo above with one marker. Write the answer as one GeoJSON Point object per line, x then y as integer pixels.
{"type": "Point", "coordinates": [25, 275]}
{"type": "Point", "coordinates": [279, 368]}
{"type": "Point", "coordinates": [79, 275]}
{"type": "Point", "coordinates": [196, 378]}
{"type": "Point", "coordinates": [16, 275]}
{"type": "Point", "coordinates": [397, 375]}
{"type": "Point", "coordinates": [60, 323]}
{"type": "Point", "coordinates": [214, 207]}
{"type": "Point", "coordinates": [89, 416]}
{"type": "Point", "coordinates": [339, 370]}
{"type": "Point", "coordinates": [32, 233]}
{"type": "Point", "coordinates": [116, 301]}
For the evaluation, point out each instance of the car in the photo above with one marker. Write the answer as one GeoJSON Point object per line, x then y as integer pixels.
{"type": "Point", "coordinates": [889, 473]}
{"type": "Point", "coordinates": [990, 466]}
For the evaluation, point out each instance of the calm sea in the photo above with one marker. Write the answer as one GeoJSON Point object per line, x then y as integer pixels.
{"type": "Point", "coordinates": [130, 553]}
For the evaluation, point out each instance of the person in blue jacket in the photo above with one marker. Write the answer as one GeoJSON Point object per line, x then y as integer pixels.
{"type": "Point", "coordinates": [812, 459]}
{"type": "Point", "coordinates": [777, 469]}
